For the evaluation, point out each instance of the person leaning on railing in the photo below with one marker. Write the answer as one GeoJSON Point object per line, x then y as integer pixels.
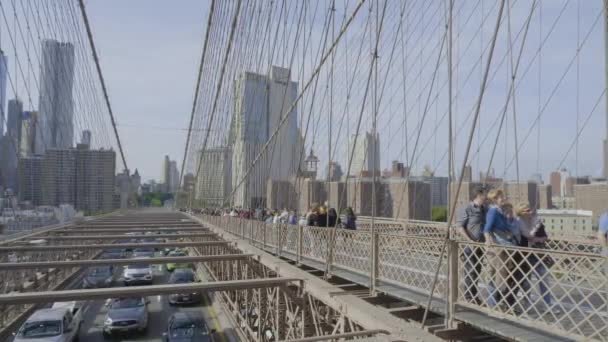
{"type": "Point", "coordinates": [470, 226]}
{"type": "Point", "coordinates": [533, 235]}
{"type": "Point", "coordinates": [602, 235]}
{"type": "Point", "coordinates": [498, 230]}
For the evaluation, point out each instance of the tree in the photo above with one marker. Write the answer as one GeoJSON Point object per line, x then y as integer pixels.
{"type": "Point", "coordinates": [439, 214]}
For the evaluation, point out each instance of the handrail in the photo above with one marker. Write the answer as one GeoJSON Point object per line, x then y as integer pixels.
{"type": "Point", "coordinates": [557, 291]}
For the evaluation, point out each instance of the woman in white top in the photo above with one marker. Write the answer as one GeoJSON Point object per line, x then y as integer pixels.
{"type": "Point", "coordinates": [534, 264]}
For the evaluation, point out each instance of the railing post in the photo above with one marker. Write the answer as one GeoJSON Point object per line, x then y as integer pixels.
{"type": "Point", "coordinates": [279, 228]}
{"type": "Point", "coordinates": [265, 226]}
{"type": "Point", "coordinates": [300, 247]}
{"type": "Point", "coordinates": [452, 285]}
{"type": "Point", "coordinates": [375, 263]}
{"type": "Point", "coordinates": [251, 231]}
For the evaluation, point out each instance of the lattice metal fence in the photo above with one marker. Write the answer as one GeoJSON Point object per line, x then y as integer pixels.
{"type": "Point", "coordinates": [562, 289]}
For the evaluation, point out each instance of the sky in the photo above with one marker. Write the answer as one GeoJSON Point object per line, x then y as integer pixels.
{"type": "Point", "coordinates": [149, 52]}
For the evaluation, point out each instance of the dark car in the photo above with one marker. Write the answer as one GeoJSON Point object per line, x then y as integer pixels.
{"type": "Point", "coordinates": [114, 253]}
{"type": "Point", "coordinates": [144, 252]}
{"type": "Point", "coordinates": [184, 276]}
{"type": "Point", "coordinates": [125, 315]}
{"type": "Point", "coordinates": [102, 276]}
{"type": "Point", "coordinates": [187, 326]}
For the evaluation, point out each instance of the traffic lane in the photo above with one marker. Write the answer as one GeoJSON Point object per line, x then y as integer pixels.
{"type": "Point", "coordinates": [159, 312]}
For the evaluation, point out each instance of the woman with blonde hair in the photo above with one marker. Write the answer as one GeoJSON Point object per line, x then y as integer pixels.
{"type": "Point", "coordinates": [533, 235]}
{"type": "Point", "coordinates": [499, 230]}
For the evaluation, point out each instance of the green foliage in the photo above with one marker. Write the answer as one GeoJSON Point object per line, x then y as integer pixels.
{"type": "Point", "coordinates": [154, 199]}
{"type": "Point", "coordinates": [439, 214]}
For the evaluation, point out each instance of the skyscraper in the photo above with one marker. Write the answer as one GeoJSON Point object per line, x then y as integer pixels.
{"type": "Point", "coordinates": [213, 183]}
{"type": "Point", "coordinates": [3, 76]}
{"type": "Point", "coordinates": [11, 142]}
{"type": "Point", "coordinates": [86, 137]}
{"type": "Point", "coordinates": [94, 179]}
{"type": "Point", "coordinates": [56, 118]}
{"type": "Point", "coordinates": [166, 174]}
{"type": "Point", "coordinates": [27, 146]}
{"type": "Point", "coordinates": [363, 161]}
{"type": "Point", "coordinates": [174, 177]}
{"type": "Point", "coordinates": [30, 179]}
{"type": "Point", "coordinates": [262, 103]}
{"type": "Point", "coordinates": [13, 121]}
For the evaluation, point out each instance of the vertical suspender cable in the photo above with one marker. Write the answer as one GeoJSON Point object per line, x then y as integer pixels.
{"type": "Point", "coordinates": [466, 157]}
{"type": "Point", "coordinates": [197, 89]}
{"type": "Point", "coordinates": [297, 100]}
{"type": "Point", "coordinates": [219, 84]}
{"type": "Point", "coordinates": [101, 80]}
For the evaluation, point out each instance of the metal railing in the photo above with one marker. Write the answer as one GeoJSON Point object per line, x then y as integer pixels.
{"type": "Point", "coordinates": [560, 290]}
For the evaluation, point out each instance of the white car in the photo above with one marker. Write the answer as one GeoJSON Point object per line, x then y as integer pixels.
{"type": "Point", "coordinates": [49, 325]}
{"type": "Point", "coordinates": [138, 274]}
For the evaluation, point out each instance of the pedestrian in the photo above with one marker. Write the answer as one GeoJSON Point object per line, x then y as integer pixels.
{"type": "Point", "coordinates": [498, 231]}
{"type": "Point", "coordinates": [470, 227]}
{"type": "Point", "coordinates": [602, 236]}
{"type": "Point", "coordinates": [293, 218]}
{"type": "Point", "coordinates": [535, 264]}
{"type": "Point", "coordinates": [322, 217]}
{"type": "Point", "coordinates": [332, 217]}
{"type": "Point", "coordinates": [351, 219]}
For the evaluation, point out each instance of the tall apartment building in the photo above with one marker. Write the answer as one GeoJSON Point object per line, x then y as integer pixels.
{"type": "Point", "coordinates": [81, 177]}
{"type": "Point", "coordinates": [592, 197]}
{"type": "Point", "coordinates": [10, 149]}
{"type": "Point", "coordinates": [262, 103]}
{"type": "Point", "coordinates": [30, 179]}
{"type": "Point", "coordinates": [213, 184]}
{"type": "Point", "coordinates": [95, 172]}
{"type": "Point", "coordinates": [56, 112]}
{"type": "Point", "coordinates": [439, 188]}
{"type": "Point", "coordinates": [59, 177]}
{"type": "Point", "coordinates": [523, 192]}
{"type": "Point", "coordinates": [407, 200]}
{"type": "Point", "coordinates": [468, 174]}
{"type": "Point", "coordinates": [365, 152]}
{"type": "Point", "coordinates": [3, 78]}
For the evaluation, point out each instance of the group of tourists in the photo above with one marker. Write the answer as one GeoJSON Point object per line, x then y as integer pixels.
{"type": "Point", "coordinates": [325, 216]}
{"type": "Point", "coordinates": [317, 216]}
{"type": "Point", "coordinates": [492, 220]}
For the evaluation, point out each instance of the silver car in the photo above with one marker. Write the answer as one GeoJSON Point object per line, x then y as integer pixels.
{"type": "Point", "coordinates": [49, 325]}
{"type": "Point", "coordinates": [126, 315]}
{"type": "Point", "coordinates": [102, 276]}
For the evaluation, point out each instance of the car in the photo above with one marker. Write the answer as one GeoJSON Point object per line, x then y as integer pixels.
{"type": "Point", "coordinates": [171, 266]}
{"type": "Point", "coordinates": [114, 253]}
{"type": "Point", "coordinates": [75, 308]}
{"type": "Point", "coordinates": [144, 252]}
{"type": "Point", "coordinates": [52, 324]}
{"type": "Point", "coordinates": [102, 276]}
{"type": "Point", "coordinates": [126, 315]}
{"type": "Point", "coordinates": [138, 274]}
{"type": "Point", "coordinates": [184, 276]}
{"type": "Point", "coordinates": [188, 326]}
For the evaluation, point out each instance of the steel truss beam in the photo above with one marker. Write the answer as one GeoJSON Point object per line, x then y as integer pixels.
{"type": "Point", "coordinates": [136, 224]}
{"type": "Point", "coordinates": [78, 230]}
{"type": "Point", "coordinates": [100, 262]}
{"type": "Point", "coordinates": [112, 246]}
{"type": "Point", "coordinates": [338, 336]}
{"type": "Point", "coordinates": [149, 290]}
{"type": "Point", "coordinates": [121, 236]}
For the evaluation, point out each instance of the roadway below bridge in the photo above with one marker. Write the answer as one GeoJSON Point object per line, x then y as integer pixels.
{"type": "Point", "coordinates": [159, 311]}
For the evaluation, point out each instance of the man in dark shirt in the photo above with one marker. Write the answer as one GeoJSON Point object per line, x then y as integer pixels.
{"type": "Point", "coordinates": [471, 228]}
